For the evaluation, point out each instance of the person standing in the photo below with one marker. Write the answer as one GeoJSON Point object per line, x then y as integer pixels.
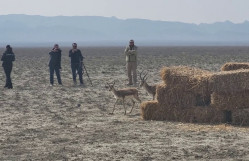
{"type": "Point", "coordinates": [8, 57]}
{"type": "Point", "coordinates": [76, 63]}
{"type": "Point", "coordinates": [55, 64]}
{"type": "Point", "coordinates": [131, 62]}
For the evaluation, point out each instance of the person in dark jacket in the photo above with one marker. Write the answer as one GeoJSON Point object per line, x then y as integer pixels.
{"type": "Point", "coordinates": [55, 64]}
{"type": "Point", "coordinates": [76, 63]}
{"type": "Point", "coordinates": [7, 58]}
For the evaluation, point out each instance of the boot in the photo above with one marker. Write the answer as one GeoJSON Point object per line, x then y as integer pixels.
{"type": "Point", "coordinates": [74, 83]}
{"type": "Point", "coordinates": [6, 85]}
{"type": "Point", "coordinates": [10, 86]}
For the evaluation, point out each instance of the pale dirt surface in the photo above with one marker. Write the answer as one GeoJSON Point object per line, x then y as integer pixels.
{"type": "Point", "coordinates": [39, 122]}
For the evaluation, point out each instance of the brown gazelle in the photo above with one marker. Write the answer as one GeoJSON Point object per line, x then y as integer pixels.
{"type": "Point", "coordinates": [124, 94]}
{"type": "Point", "coordinates": [150, 89]}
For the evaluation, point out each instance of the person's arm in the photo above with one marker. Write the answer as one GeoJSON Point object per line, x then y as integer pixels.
{"type": "Point", "coordinates": [13, 57]}
{"type": "Point", "coordinates": [81, 57]}
{"type": "Point", "coordinates": [3, 57]}
{"type": "Point", "coordinates": [127, 51]}
{"type": "Point", "coordinates": [70, 53]}
{"type": "Point", "coordinates": [60, 60]}
{"type": "Point", "coordinates": [50, 53]}
{"type": "Point", "coordinates": [134, 51]}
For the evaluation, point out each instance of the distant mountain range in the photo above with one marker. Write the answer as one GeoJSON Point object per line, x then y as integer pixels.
{"type": "Point", "coordinates": [24, 29]}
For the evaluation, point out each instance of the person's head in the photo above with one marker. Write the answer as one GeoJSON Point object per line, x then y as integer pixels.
{"type": "Point", "coordinates": [56, 46]}
{"type": "Point", "coordinates": [8, 48]}
{"type": "Point", "coordinates": [131, 42]}
{"type": "Point", "coordinates": [74, 45]}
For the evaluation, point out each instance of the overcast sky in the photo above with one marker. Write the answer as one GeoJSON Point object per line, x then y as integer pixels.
{"type": "Point", "coordinates": [191, 11]}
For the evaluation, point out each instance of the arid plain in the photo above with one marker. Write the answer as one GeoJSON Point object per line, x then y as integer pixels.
{"type": "Point", "coordinates": [39, 122]}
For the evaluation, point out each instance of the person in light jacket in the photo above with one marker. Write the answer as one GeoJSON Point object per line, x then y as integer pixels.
{"type": "Point", "coordinates": [131, 62]}
{"type": "Point", "coordinates": [8, 57]}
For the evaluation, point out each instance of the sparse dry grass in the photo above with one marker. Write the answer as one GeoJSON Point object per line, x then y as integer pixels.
{"type": "Point", "coordinates": [72, 123]}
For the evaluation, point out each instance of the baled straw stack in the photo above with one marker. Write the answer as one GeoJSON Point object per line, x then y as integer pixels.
{"type": "Point", "coordinates": [152, 110]}
{"type": "Point", "coordinates": [186, 86]}
{"type": "Point", "coordinates": [187, 78]}
{"type": "Point", "coordinates": [227, 101]}
{"type": "Point", "coordinates": [229, 81]}
{"type": "Point", "coordinates": [234, 66]}
{"type": "Point", "coordinates": [172, 97]}
{"type": "Point", "coordinates": [240, 117]}
{"type": "Point", "coordinates": [197, 114]}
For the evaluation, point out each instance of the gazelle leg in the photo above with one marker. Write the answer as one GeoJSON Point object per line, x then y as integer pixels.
{"type": "Point", "coordinates": [137, 98]}
{"type": "Point", "coordinates": [132, 105]}
{"type": "Point", "coordinates": [124, 106]}
{"type": "Point", "coordinates": [114, 106]}
{"type": "Point", "coordinates": [153, 97]}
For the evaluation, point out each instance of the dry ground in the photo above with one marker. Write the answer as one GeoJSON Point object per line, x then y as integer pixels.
{"type": "Point", "coordinates": [39, 122]}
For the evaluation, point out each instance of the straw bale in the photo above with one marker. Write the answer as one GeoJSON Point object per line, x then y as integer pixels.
{"type": "Point", "coordinates": [227, 101]}
{"type": "Point", "coordinates": [153, 111]}
{"type": "Point", "coordinates": [229, 81]}
{"type": "Point", "coordinates": [150, 110]}
{"type": "Point", "coordinates": [240, 117]}
{"type": "Point", "coordinates": [186, 78]}
{"type": "Point", "coordinates": [234, 66]}
{"type": "Point", "coordinates": [174, 97]}
{"type": "Point", "coordinates": [195, 114]}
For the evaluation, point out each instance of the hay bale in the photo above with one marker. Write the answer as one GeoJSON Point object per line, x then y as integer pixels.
{"type": "Point", "coordinates": [206, 114]}
{"type": "Point", "coordinates": [228, 101]}
{"type": "Point", "coordinates": [229, 81]}
{"type": "Point", "coordinates": [240, 117]}
{"type": "Point", "coordinates": [172, 97]}
{"type": "Point", "coordinates": [234, 66]}
{"type": "Point", "coordinates": [186, 78]}
{"type": "Point", "coordinates": [150, 110]}
{"type": "Point", "coordinates": [154, 111]}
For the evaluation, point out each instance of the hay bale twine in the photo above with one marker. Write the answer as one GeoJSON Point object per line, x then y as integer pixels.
{"type": "Point", "coordinates": [234, 66]}
{"type": "Point", "coordinates": [228, 101]}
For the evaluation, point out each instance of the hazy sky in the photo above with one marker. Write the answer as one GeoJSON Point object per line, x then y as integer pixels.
{"type": "Point", "coordinates": [191, 11]}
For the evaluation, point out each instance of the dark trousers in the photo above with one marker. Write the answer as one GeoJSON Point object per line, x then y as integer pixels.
{"type": "Point", "coordinates": [7, 71]}
{"type": "Point", "coordinates": [53, 69]}
{"type": "Point", "coordinates": [77, 67]}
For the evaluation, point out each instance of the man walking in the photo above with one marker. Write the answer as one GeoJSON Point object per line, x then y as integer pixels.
{"type": "Point", "coordinates": [76, 63]}
{"type": "Point", "coordinates": [131, 62]}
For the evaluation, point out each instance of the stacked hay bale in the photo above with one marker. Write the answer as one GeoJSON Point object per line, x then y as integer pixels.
{"type": "Point", "coordinates": [195, 95]}
{"type": "Point", "coordinates": [178, 98]}
{"type": "Point", "coordinates": [190, 84]}
{"type": "Point", "coordinates": [234, 66]}
{"type": "Point", "coordinates": [231, 93]}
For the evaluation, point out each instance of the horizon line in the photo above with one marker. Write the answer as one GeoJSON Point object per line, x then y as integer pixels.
{"type": "Point", "coordinates": [114, 17]}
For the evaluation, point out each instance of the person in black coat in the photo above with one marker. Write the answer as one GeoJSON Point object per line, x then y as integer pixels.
{"type": "Point", "coordinates": [76, 63]}
{"type": "Point", "coordinates": [55, 64]}
{"type": "Point", "coordinates": [8, 57]}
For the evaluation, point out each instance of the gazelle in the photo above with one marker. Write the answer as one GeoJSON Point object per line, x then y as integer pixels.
{"type": "Point", "coordinates": [150, 89]}
{"type": "Point", "coordinates": [123, 94]}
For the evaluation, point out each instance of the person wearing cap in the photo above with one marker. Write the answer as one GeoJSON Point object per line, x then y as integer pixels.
{"type": "Point", "coordinates": [131, 62]}
{"type": "Point", "coordinates": [76, 63]}
{"type": "Point", "coordinates": [55, 64]}
{"type": "Point", "coordinates": [8, 57]}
